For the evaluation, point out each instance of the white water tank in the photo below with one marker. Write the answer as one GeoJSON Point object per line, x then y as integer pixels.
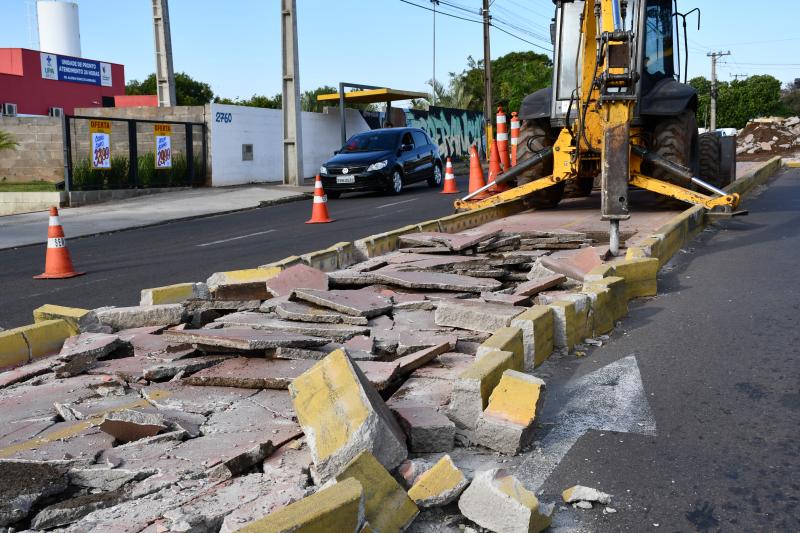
{"type": "Point", "coordinates": [59, 30]}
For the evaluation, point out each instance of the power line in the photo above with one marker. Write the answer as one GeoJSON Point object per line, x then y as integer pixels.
{"type": "Point", "coordinates": [520, 38]}
{"type": "Point", "coordinates": [441, 12]}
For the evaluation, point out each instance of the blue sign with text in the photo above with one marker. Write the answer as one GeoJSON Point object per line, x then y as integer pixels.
{"type": "Point", "coordinates": [76, 70]}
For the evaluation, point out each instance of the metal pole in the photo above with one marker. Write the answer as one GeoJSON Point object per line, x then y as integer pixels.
{"type": "Point", "coordinates": [342, 116]}
{"type": "Point", "coordinates": [714, 56]}
{"type": "Point", "coordinates": [433, 87]}
{"type": "Point", "coordinates": [613, 238]}
{"type": "Point", "coordinates": [487, 76]}
{"type": "Point", "coordinates": [292, 124]}
{"type": "Point", "coordinates": [165, 75]}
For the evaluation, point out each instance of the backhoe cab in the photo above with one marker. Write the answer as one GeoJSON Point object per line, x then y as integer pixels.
{"type": "Point", "coordinates": [615, 111]}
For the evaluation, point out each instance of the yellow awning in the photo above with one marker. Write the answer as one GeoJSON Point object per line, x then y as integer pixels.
{"type": "Point", "coordinates": [372, 96]}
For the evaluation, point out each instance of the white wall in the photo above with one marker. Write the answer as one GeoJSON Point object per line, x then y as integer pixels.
{"type": "Point", "coordinates": [231, 126]}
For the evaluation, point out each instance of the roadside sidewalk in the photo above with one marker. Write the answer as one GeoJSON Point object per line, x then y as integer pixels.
{"type": "Point", "coordinates": [31, 228]}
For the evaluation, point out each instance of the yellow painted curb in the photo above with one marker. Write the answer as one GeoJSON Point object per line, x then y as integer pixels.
{"type": "Point", "coordinates": [173, 294]}
{"type": "Point", "coordinates": [339, 507]}
{"type": "Point", "coordinates": [71, 315]}
{"type": "Point", "coordinates": [24, 344]}
{"type": "Point", "coordinates": [508, 339]}
{"type": "Point", "coordinates": [537, 333]}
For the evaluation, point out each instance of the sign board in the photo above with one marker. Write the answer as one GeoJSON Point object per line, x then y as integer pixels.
{"type": "Point", "coordinates": [163, 135]}
{"type": "Point", "coordinates": [75, 69]}
{"type": "Point", "coordinates": [100, 142]}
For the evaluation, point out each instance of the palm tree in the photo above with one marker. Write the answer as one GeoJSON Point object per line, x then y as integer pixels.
{"type": "Point", "coordinates": [7, 142]}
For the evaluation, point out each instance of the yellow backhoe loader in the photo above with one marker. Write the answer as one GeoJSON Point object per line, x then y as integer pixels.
{"type": "Point", "coordinates": [616, 110]}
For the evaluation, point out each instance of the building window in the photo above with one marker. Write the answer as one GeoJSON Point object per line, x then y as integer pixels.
{"type": "Point", "coordinates": [247, 152]}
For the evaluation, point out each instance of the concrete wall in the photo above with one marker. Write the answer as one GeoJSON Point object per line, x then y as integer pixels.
{"type": "Point", "coordinates": [39, 155]}
{"type": "Point", "coordinates": [232, 126]}
{"type": "Point", "coordinates": [12, 203]}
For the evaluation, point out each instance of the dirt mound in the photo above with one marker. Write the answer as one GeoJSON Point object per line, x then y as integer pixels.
{"type": "Point", "coordinates": [769, 136]}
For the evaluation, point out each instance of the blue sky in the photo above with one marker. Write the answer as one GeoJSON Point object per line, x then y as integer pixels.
{"type": "Point", "coordinates": [235, 44]}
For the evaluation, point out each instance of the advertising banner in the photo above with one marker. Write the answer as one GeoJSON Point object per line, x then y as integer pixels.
{"type": "Point", "coordinates": [100, 142]}
{"type": "Point", "coordinates": [75, 69]}
{"type": "Point", "coordinates": [163, 134]}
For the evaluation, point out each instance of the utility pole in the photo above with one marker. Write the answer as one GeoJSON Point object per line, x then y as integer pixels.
{"type": "Point", "coordinates": [487, 76]}
{"type": "Point", "coordinates": [292, 126]}
{"type": "Point", "coordinates": [165, 75]}
{"type": "Point", "coordinates": [714, 56]}
{"type": "Point", "coordinates": [433, 97]}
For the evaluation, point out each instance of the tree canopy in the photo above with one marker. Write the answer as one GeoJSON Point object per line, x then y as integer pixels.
{"type": "Point", "coordinates": [188, 91]}
{"type": "Point", "coordinates": [739, 101]}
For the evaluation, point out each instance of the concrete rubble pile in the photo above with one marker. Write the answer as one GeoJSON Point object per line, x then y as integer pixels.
{"type": "Point", "coordinates": [770, 136]}
{"type": "Point", "coordinates": [264, 401]}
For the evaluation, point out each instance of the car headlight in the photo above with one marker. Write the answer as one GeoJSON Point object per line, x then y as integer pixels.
{"type": "Point", "coordinates": [323, 170]}
{"type": "Point", "coordinates": [377, 166]}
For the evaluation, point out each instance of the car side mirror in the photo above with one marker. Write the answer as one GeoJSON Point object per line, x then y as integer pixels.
{"type": "Point", "coordinates": [406, 147]}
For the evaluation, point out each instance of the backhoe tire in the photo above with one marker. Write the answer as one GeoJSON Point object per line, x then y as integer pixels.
{"type": "Point", "coordinates": [676, 139]}
{"type": "Point", "coordinates": [578, 188]}
{"type": "Point", "coordinates": [710, 161]}
{"type": "Point", "coordinates": [535, 136]}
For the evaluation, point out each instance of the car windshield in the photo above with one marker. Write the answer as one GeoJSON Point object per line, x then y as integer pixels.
{"type": "Point", "coordinates": [371, 142]}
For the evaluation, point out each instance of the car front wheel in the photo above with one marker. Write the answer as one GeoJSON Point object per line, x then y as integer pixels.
{"type": "Point", "coordinates": [435, 180]}
{"type": "Point", "coordinates": [396, 185]}
{"type": "Point", "coordinates": [333, 195]}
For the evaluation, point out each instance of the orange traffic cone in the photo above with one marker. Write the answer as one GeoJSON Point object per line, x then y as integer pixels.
{"type": "Point", "coordinates": [476, 180]}
{"type": "Point", "coordinates": [449, 179]}
{"type": "Point", "coordinates": [495, 170]}
{"type": "Point", "coordinates": [502, 139]}
{"type": "Point", "coordinates": [319, 212]}
{"type": "Point", "coordinates": [514, 137]}
{"type": "Point", "coordinates": [58, 264]}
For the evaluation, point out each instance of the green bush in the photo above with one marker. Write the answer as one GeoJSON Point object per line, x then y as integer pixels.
{"type": "Point", "coordinates": [85, 178]}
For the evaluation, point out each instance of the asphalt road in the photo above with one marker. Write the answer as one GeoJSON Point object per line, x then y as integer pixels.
{"type": "Point", "coordinates": [719, 356]}
{"type": "Point", "coordinates": [120, 264]}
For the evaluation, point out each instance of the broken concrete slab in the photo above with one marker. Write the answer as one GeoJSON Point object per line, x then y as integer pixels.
{"type": "Point", "coordinates": [445, 367]}
{"type": "Point", "coordinates": [191, 399]}
{"type": "Point", "coordinates": [439, 281]}
{"type": "Point", "coordinates": [28, 371]}
{"type": "Point", "coordinates": [534, 287]}
{"type": "Point", "coordinates": [337, 332]}
{"type": "Point", "coordinates": [475, 315]}
{"type": "Point", "coordinates": [428, 430]}
{"type": "Point", "coordinates": [497, 501]}
{"type": "Point", "coordinates": [248, 290]}
{"type": "Point", "coordinates": [297, 277]}
{"type": "Point", "coordinates": [302, 312]}
{"type": "Point", "coordinates": [251, 373]}
{"type": "Point", "coordinates": [412, 361]}
{"type": "Point", "coordinates": [24, 483]}
{"type": "Point", "coordinates": [159, 346]}
{"type": "Point", "coordinates": [164, 370]}
{"type": "Point", "coordinates": [71, 510]}
{"type": "Point", "coordinates": [505, 299]}
{"type": "Point", "coordinates": [350, 278]}
{"type": "Point", "coordinates": [401, 341]}
{"type": "Point", "coordinates": [507, 423]}
{"type": "Point", "coordinates": [243, 339]}
{"type": "Point", "coordinates": [575, 265]}
{"type": "Point", "coordinates": [277, 495]}
{"type": "Point", "coordinates": [342, 415]}
{"type": "Point", "coordinates": [367, 304]}
{"type": "Point", "coordinates": [119, 318]}
{"type": "Point", "coordinates": [579, 493]}
{"type": "Point", "coordinates": [128, 425]}
{"type": "Point", "coordinates": [453, 241]}
{"type": "Point", "coordinates": [80, 352]}
{"type": "Point", "coordinates": [539, 271]}
{"type": "Point", "coordinates": [422, 392]}
{"type": "Point", "coordinates": [105, 477]}
{"type": "Point", "coordinates": [440, 485]}
{"type": "Point", "coordinates": [387, 507]}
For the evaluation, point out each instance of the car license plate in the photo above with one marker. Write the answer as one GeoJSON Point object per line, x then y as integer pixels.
{"type": "Point", "coordinates": [345, 179]}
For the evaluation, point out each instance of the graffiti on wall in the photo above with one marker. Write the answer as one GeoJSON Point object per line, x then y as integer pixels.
{"type": "Point", "coordinates": [454, 130]}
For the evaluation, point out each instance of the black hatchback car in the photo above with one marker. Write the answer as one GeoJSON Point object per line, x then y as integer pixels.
{"type": "Point", "coordinates": [382, 160]}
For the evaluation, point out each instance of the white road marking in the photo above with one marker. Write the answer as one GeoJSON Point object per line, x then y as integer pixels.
{"type": "Point", "coordinates": [396, 203]}
{"type": "Point", "coordinates": [609, 399]}
{"type": "Point", "coordinates": [237, 238]}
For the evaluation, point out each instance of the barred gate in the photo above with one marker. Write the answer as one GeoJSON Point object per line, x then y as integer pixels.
{"type": "Point", "coordinates": [130, 157]}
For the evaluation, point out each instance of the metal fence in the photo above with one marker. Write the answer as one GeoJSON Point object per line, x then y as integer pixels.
{"type": "Point", "coordinates": [117, 153]}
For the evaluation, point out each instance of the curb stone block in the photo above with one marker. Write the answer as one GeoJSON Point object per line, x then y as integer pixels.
{"type": "Point", "coordinates": [283, 264]}
{"type": "Point", "coordinates": [427, 429]}
{"type": "Point", "coordinates": [602, 309]}
{"type": "Point", "coordinates": [339, 507]}
{"type": "Point", "coordinates": [507, 423]}
{"type": "Point", "coordinates": [508, 339]}
{"type": "Point", "coordinates": [497, 501]}
{"type": "Point", "coordinates": [639, 275]}
{"type": "Point", "coordinates": [174, 294]}
{"type": "Point", "coordinates": [235, 277]}
{"type": "Point", "coordinates": [441, 485]}
{"type": "Point", "coordinates": [342, 415]}
{"type": "Point", "coordinates": [473, 386]}
{"type": "Point", "coordinates": [537, 335]}
{"type": "Point", "coordinates": [387, 507]}
{"type": "Point", "coordinates": [119, 318]}
{"type": "Point", "coordinates": [79, 320]}
{"type": "Point", "coordinates": [617, 294]}
{"type": "Point", "coordinates": [24, 344]}
{"type": "Point", "coordinates": [572, 321]}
